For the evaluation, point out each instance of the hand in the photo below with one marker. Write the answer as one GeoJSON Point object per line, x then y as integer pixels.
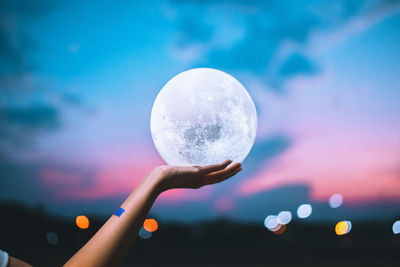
{"type": "Point", "coordinates": [196, 176]}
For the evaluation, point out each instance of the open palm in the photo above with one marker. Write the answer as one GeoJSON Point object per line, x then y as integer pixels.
{"type": "Point", "coordinates": [198, 176]}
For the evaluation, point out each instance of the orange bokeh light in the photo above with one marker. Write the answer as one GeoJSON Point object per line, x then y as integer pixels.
{"type": "Point", "coordinates": [280, 230]}
{"type": "Point", "coordinates": [82, 221]}
{"type": "Point", "coordinates": [150, 225]}
{"type": "Point", "coordinates": [341, 228]}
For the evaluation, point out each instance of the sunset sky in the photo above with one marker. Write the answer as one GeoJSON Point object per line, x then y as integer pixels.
{"type": "Point", "coordinates": [78, 80]}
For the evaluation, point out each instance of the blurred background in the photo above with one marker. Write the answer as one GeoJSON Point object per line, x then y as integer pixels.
{"type": "Point", "coordinates": [321, 185]}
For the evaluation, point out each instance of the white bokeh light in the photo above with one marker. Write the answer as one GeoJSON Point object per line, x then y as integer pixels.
{"type": "Point", "coordinates": [349, 225]}
{"type": "Point", "coordinates": [284, 217]}
{"type": "Point", "coordinates": [396, 227]}
{"type": "Point", "coordinates": [336, 200]}
{"type": "Point", "coordinates": [203, 116]}
{"type": "Point", "coordinates": [304, 211]}
{"type": "Point", "coordinates": [271, 222]}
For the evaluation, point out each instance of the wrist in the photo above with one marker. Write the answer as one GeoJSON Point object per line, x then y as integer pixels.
{"type": "Point", "coordinates": [156, 179]}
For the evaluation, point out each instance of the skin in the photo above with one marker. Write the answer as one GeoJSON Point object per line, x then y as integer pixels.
{"type": "Point", "coordinates": [14, 262]}
{"type": "Point", "coordinates": [109, 246]}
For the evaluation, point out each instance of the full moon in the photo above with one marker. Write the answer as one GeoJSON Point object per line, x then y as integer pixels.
{"type": "Point", "coordinates": [203, 116]}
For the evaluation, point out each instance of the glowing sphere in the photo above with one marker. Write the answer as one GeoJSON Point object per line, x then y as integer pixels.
{"type": "Point", "coordinates": [203, 116]}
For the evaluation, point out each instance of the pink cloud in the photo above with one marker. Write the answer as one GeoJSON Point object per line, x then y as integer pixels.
{"type": "Point", "coordinates": [177, 196]}
{"type": "Point", "coordinates": [55, 177]}
{"type": "Point", "coordinates": [224, 204]}
{"type": "Point", "coordinates": [345, 137]}
{"type": "Point", "coordinates": [118, 177]}
{"type": "Point", "coordinates": [107, 181]}
{"type": "Point", "coordinates": [359, 166]}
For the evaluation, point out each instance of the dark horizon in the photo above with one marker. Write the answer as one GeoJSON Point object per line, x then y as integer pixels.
{"type": "Point", "coordinates": [25, 234]}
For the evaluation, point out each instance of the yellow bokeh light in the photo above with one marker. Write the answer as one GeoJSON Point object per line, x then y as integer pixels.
{"type": "Point", "coordinates": [82, 221]}
{"type": "Point", "coordinates": [150, 225]}
{"type": "Point", "coordinates": [341, 228]}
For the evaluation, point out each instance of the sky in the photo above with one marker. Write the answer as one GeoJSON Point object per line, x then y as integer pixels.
{"type": "Point", "coordinates": [78, 80]}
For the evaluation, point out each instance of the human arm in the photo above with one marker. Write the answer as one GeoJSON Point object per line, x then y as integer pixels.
{"type": "Point", "coordinates": [112, 242]}
{"type": "Point", "coordinates": [9, 261]}
{"type": "Point", "coordinates": [14, 262]}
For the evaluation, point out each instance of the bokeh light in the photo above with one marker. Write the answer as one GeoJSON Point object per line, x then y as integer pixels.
{"type": "Point", "coordinates": [277, 224]}
{"type": "Point", "coordinates": [304, 211]}
{"type": "Point", "coordinates": [335, 201]}
{"type": "Point", "coordinates": [284, 217]}
{"type": "Point", "coordinates": [342, 228]}
{"type": "Point", "coordinates": [396, 227]}
{"type": "Point", "coordinates": [150, 225]}
{"type": "Point", "coordinates": [144, 234]}
{"type": "Point", "coordinates": [77, 84]}
{"type": "Point", "coordinates": [349, 225]}
{"type": "Point", "coordinates": [82, 221]}
{"type": "Point", "coordinates": [280, 230]}
{"type": "Point", "coordinates": [271, 222]}
{"type": "Point", "coordinates": [52, 238]}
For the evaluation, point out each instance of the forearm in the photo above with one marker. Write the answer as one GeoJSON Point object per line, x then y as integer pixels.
{"type": "Point", "coordinates": [14, 262]}
{"type": "Point", "coordinates": [112, 242]}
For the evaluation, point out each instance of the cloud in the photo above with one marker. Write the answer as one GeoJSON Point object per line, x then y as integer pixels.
{"type": "Point", "coordinates": [320, 42]}
{"type": "Point", "coordinates": [61, 179]}
{"type": "Point", "coordinates": [271, 39]}
{"type": "Point", "coordinates": [266, 150]}
{"type": "Point", "coordinates": [297, 64]}
{"type": "Point", "coordinates": [27, 106]}
{"type": "Point", "coordinates": [21, 118]}
{"type": "Point", "coordinates": [15, 42]}
{"type": "Point", "coordinates": [359, 166]}
{"type": "Point", "coordinates": [19, 126]}
{"type": "Point", "coordinates": [17, 181]}
{"type": "Point", "coordinates": [117, 178]}
{"type": "Point", "coordinates": [31, 118]}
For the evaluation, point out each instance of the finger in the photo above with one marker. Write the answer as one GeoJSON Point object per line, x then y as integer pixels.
{"type": "Point", "coordinates": [225, 177]}
{"type": "Point", "coordinates": [221, 173]}
{"type": "Point", "coordinates": [216, 167]}
{"type": "Point", "coordinates": [229, 175]}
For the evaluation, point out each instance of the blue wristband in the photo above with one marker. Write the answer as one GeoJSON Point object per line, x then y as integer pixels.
{"type": "Point", "coordinates": [119, 212]}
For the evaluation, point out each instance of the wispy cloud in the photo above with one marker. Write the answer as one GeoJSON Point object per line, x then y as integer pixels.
{"type": "Point", "coordinates": [271, 40]}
